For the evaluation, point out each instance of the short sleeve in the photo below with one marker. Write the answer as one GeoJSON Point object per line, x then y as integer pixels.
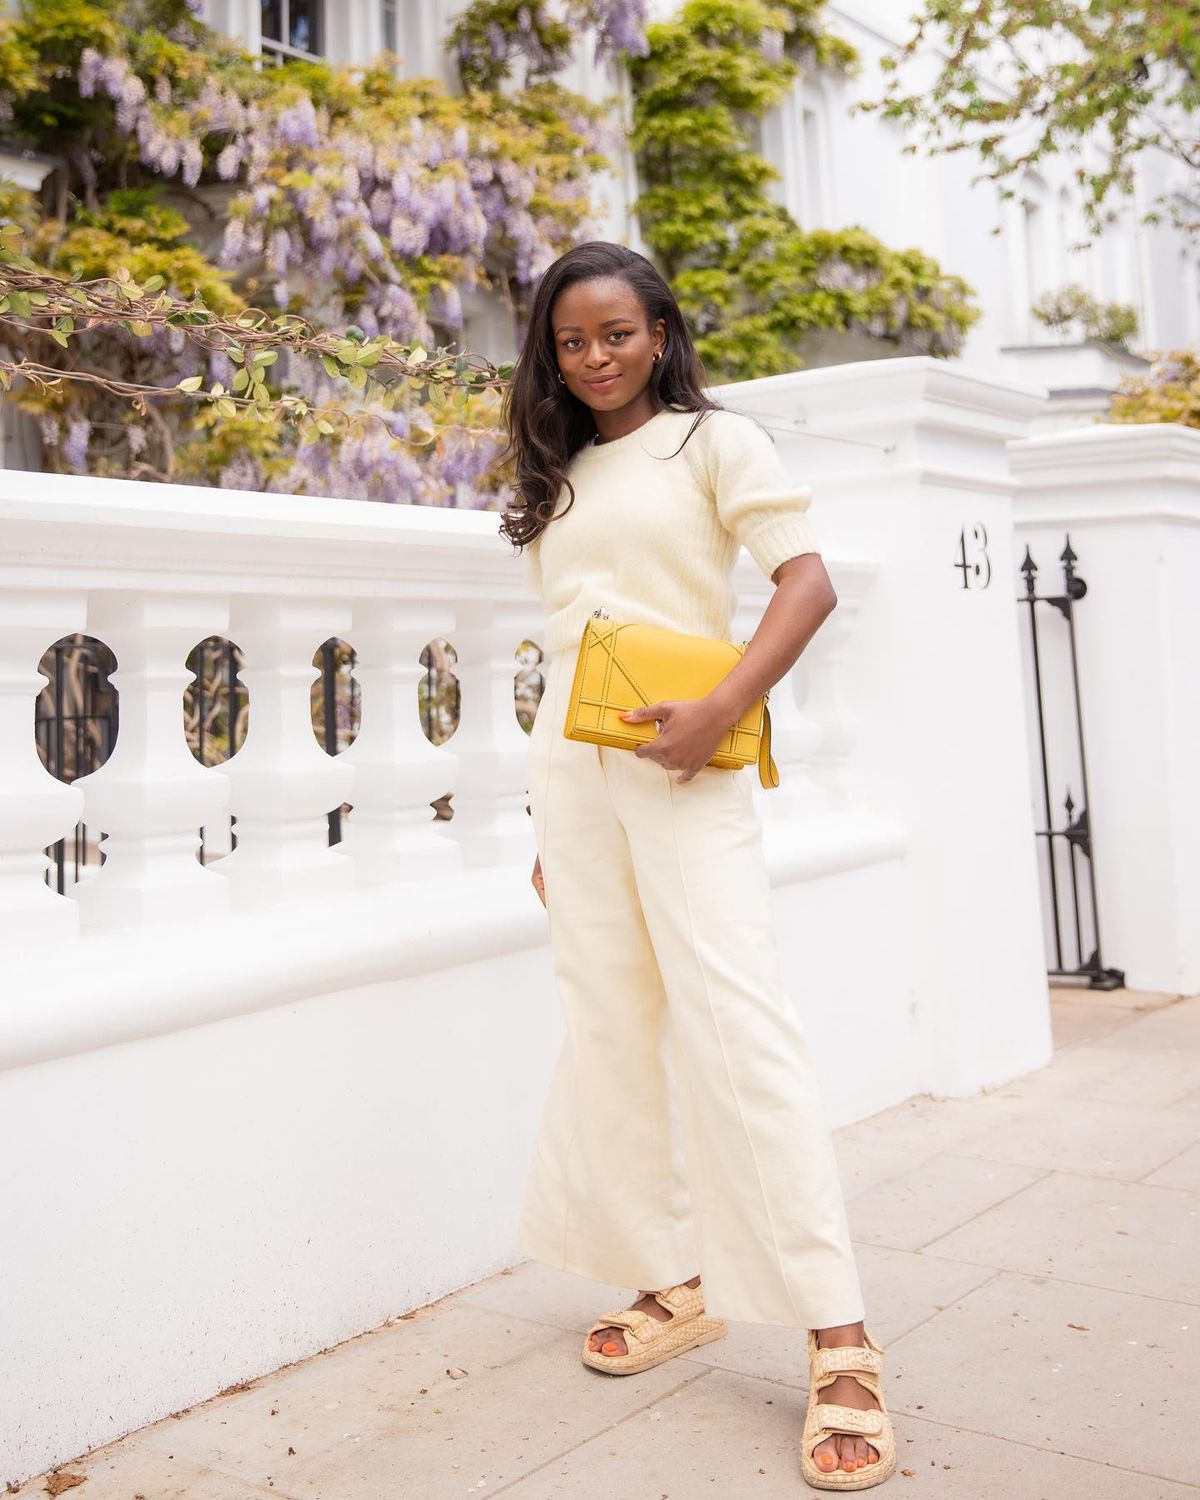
{"type": "Point", "coordinates": [756, 498]}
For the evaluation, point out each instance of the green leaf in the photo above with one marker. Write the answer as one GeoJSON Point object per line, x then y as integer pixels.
{"type": "Point", "coordinates": [192, 383]}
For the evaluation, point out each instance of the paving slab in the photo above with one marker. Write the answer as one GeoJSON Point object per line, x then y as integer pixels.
{"type": "Point", "coordinates": [1175, 1026]}
{"type": "Point", "coordinates": [382, 1415]}
{"type": "Point", "coordinates": [724, 1435]}
{"type": "Point", "coordinates": [864, 1163]}
{"type": "Point", "coordinates": [1077, 1020]}
{"type": "Point", "coordinates": [1182, 1171]}
{"type": "Point", "coordinates": [1113, 1074]}
{"type": "Point", "coordinates": [129, 1469]}
{"type": "Point", "coordinates": [543, 1295]}
{"type": "Point", "coordinates": [922, 1126]}
{"type": "Point", "coordinates": [1085, 1135]}
{"type": "Point", "coordinates": [1121, 999]}
{"type": "Point", "coordinates": [937, 1195]}
{"type": "Point", "coordinates": [1099, 1375]}
{"type": "Point", "coordinates": [1127, 1236]}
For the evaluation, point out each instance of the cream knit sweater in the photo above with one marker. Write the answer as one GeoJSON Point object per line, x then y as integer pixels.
{"type": "Point", "coordinates": [653, 535]}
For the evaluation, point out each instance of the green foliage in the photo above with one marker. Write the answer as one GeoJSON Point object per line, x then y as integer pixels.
{"type": "Point", "coordinates": [1072, 309]}
{"type": "Point", "coordinates": [1170, 393]}
{"type": "Point", "coordinates": [133, 229]}
{"type": "Point", "coordinates": [519, 29]}
{"type": "Point", "coordinates": [1103, 75]}
{"type": "Point", "coordinates": [136, 94]}
{"type": "Point", "coordinates": [751, 281]}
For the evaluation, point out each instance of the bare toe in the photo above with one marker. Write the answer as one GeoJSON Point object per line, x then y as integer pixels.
{"type": "Point", "coordinates": [825, 1454]}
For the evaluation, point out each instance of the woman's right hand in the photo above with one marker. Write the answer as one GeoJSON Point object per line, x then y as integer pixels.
{"type": "Point", "coordinates": [538, 883]}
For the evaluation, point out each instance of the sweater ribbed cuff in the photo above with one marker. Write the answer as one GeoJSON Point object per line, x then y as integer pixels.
{"type": "Point", "coordinates": [781, 537]}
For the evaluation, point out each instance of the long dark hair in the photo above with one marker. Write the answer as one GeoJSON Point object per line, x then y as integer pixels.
{"type": "Point", "coordinates": [546, 424]}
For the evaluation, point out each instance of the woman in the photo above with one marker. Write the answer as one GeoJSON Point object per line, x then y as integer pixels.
{"type": "Point", "coordinates": [684, 1131]}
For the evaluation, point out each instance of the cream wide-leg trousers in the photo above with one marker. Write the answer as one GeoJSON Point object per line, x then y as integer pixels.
{"type": "Point", "coordinates": [684, 1130]}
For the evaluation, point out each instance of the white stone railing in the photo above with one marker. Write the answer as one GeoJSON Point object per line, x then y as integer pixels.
{"type": "Point", "coordinates": [151, 570]}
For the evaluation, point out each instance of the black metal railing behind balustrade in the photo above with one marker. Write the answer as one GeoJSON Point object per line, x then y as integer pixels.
{"type": "Point", "coordinates": [77, 716]}
{"type": "Point", "coordinates": [1068, 859]}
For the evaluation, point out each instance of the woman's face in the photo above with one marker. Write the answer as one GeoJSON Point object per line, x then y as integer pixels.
{"type": "Point", "coordinates": [605, 349]}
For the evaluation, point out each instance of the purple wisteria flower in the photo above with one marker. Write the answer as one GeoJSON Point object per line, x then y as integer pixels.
{"type": "Point", "coordinates": [73, 448]}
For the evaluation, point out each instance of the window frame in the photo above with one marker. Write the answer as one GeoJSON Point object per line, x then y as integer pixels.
{"type": "Point", "coordinates": [276, 50]}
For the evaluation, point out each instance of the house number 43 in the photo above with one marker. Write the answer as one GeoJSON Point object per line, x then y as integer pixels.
{"type": "Point", "coordinates": [973, 560]}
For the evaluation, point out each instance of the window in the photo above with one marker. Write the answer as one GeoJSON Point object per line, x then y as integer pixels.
{"type": "Point", "coordinates": [388, 21]}
{"type": "Point", "coordinates": [292, 28]}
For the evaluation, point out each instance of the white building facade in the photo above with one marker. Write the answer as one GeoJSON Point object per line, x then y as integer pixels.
{"type": "Point", "coordinates": [838, 168]}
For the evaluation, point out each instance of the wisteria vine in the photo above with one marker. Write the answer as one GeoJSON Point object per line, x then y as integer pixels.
{"type": "Point", "coordinates": [367, 200]}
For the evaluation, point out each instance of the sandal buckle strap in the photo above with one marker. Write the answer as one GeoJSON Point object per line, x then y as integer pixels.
{"type": "Point", "coordinates": [631, 1318]}
{"type": "Point", "coordinates": [848, 1359]}
{"type": "Point", "coordinates": [838, 1418]}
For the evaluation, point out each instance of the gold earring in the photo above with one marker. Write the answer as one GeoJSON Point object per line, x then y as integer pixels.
{"type": "Point", "coordinates": [657, 355]}
{"type": "Point", "coordinates": [561, 381]}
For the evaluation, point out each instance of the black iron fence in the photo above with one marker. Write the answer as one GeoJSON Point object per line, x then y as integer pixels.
{"type": "Point", "coordinates": [76, 720]}
{"type": "Point", "coordinates": [1066, 849]}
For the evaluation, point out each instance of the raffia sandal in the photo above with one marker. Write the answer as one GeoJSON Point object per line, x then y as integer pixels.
{"type": "Point", "coordinates": [825, 1419]}
{"type": "Point", "coordinates": [648, 1341]}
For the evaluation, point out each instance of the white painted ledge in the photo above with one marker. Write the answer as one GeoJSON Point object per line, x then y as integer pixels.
{"type": "Point", "coordinates": [120, 986]}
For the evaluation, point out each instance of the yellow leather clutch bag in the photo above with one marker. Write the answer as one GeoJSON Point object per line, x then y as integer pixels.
{"type": "Point", "coordinates": [624, 666]}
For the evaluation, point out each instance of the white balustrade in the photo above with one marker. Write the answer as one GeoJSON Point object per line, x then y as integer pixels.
{"type": "Point", "coordinates": [36, 809]}
{"type": "Point", "coordinates": [812, 727]}
{"type": "Point", "coordinates": [490, 821]}
{"type": "Point", "coordinates": [284, 784]}
{"type": "Point", "coordinates": [908, 716]}
{"type": "Point", "coordinates": [825, 725]}
{"type": "Point", "coordinates": [393, 833]}
{"type": "Point", "coordinates": [150, 798]}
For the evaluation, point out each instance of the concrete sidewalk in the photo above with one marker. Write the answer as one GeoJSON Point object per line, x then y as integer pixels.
{"type": "Point", "coordinates": [1031, 1261]}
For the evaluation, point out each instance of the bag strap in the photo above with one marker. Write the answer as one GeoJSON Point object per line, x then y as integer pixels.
{"type": "Point", "coordinates": [768, 771]}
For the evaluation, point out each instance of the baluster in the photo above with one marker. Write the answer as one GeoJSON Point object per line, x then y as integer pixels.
{"type": "Point", "coordinates": [392, 832]}
{"type": "Point", "coordinates": [795, 736]}
{"type": "Point", "coordinates": [828, 764]}
{"type": "Point", "coordinates": [284, 784]}
{"type": "Point", "coordinates": [36, 809]}
{"type": "Point", "coordinates": [812, 744]}
{"type": "Point", "coordinates": [151, 797]}
{"type": "Point", "coordinates": [490, 822]}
